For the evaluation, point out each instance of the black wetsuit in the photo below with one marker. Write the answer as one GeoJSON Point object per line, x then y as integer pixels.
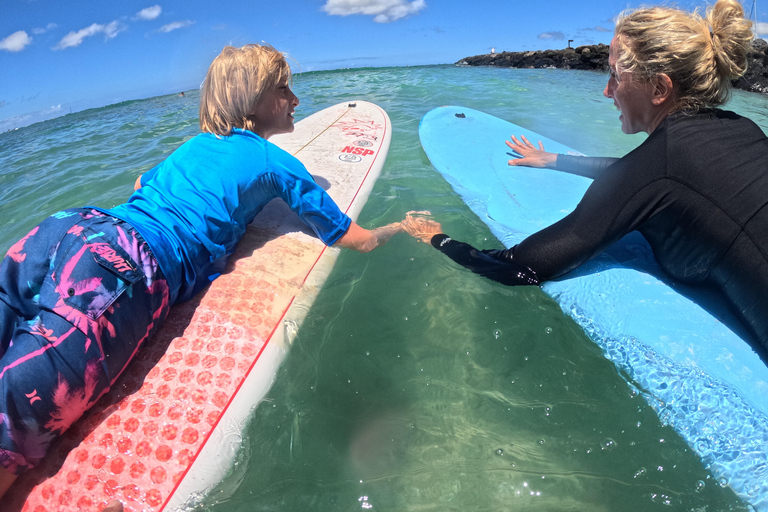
{"type": "Point", "coordinates": [697, 189]}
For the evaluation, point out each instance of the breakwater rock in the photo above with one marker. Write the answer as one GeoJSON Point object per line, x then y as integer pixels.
{"type": "Point", "coordinates": [756, 77]}
{"type": "Point", "coordinates": [592, 57]}
{"type": "Point", "coordinates": [595, 58]}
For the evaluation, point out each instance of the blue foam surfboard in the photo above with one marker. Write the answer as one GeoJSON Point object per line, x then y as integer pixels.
{"type": "Point", "coordinates": [679, 345]}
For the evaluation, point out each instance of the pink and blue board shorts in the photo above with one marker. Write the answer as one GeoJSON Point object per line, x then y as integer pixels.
{"type": "Point", "coordinates": [79, 296]}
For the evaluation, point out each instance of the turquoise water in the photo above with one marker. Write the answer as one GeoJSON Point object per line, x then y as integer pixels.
{"type": "Point", "coordinates": [413, 384]}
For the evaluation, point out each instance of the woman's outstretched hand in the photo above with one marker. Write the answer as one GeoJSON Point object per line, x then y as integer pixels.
{"type": "Point", "coordinates": [530, 155]}
{"type": "Point", "coordinates": [420, 226]}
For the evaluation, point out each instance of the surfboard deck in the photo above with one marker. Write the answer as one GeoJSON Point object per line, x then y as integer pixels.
{"type": "Point", "coordinates": [170, 428]}
{"type": "Point", "coordinates": [678, 344]}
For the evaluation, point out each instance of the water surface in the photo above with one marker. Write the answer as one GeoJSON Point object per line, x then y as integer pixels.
{"type": "Point", "coordinates": [413, 384]}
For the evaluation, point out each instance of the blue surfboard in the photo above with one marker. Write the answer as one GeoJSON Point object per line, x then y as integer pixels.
{"type": "Point", "coordinates": [679, 345]}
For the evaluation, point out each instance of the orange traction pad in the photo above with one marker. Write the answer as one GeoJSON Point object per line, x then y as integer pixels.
{"type": "Point", "coordinates": [139, 440]}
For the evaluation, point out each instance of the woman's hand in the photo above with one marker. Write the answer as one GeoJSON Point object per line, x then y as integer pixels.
{"type": "Point", "coordinates": [530, 155]}
{"type": "Point", "coordinates": [420, 226]}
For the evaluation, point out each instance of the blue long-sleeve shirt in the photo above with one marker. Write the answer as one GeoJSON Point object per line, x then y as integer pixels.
{"type": "Point", "coordinates": [194, 207]}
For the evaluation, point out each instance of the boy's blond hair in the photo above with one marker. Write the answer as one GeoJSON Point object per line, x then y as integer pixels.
{"type": "Point", "coordinates": [235, 83]}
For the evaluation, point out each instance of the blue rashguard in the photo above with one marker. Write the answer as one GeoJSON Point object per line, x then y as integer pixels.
{"type": "Point", "coordinates": [194, 207]}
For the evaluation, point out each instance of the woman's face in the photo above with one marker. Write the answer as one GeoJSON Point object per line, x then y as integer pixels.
{"type": "Point", "coordinates": [633, 98]}
{"type": "Point", "coordinates": [274, 113]}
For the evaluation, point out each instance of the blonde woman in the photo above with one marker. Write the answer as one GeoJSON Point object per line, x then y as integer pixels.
{"type": "Point", "coordinates": [697, 188]}
{"type": "Point", "coordinates": [84, 290]}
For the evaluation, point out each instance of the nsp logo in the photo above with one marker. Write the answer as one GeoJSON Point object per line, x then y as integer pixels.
{"type": "Point", "coordinates": [357, 150]}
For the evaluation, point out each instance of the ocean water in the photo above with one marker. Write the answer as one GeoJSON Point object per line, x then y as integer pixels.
{"type": "Point", "coordinates": [413, 384]}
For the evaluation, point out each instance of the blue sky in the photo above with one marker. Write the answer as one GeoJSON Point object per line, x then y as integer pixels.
{"type": "Point", "coordinates": [60, 56]}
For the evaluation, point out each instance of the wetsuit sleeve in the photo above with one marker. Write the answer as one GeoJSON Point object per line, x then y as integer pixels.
{"type": "Point", "coordinates": [497, 265]}
{"type": "Point", "coordinates": [587, 166]}
{"type": "Point", "coordinates": [616, 203]}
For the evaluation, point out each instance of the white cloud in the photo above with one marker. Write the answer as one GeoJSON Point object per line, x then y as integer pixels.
{"type": "Point", "coordinates": [43, 30]}
{"type": "Point", "coordinates": [383, 11]}
{"type": "Point", "coordinates": [175, 25]}
{"type": "Point", "coordinates": [149, 13]}
{"type": "Point", "coordinates": [552, 35]}
{"type": "Point", "coordinates": [114, 28]}
{"type": "Point", "coordinates": [14, 122]}
{"type": "Point", "coordinates": [15, 42]}
{"type": "Point", "coordinates": [75, 38]}
{"type": "Point", "coordinates": [761, 28]}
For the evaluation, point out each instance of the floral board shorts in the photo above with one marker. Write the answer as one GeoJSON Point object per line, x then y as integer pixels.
{"type": "Point", "coordinates": [79, 296]}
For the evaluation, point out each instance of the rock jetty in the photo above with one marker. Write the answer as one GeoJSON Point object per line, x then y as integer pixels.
{"type": "Point", "coordinates": [592, 57]}
{"type": "Point", "coordinates": [595, 58]}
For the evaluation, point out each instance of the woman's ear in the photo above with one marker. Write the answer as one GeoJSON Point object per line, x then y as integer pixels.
{"type": "Point", "coordinates": [664, 89]}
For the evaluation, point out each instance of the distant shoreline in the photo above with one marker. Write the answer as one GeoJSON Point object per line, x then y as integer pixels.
{"type": "Point", "coordinates": [595, 58]}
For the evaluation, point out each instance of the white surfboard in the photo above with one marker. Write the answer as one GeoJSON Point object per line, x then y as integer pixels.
{"type": "Point", "coordinates": [171, 427]}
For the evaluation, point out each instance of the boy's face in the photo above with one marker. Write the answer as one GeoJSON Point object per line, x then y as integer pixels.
{"type": "Point", "coordinates": [274, 113]}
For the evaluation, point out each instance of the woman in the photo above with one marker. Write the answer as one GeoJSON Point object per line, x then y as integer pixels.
{"type": "Point", "coordinates": [83, 291]}
{"type": "Point", "coordinates": [697, 188]}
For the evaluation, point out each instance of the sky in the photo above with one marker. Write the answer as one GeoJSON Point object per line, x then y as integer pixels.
{"type": "Point", "coordinates": [59, 56]}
